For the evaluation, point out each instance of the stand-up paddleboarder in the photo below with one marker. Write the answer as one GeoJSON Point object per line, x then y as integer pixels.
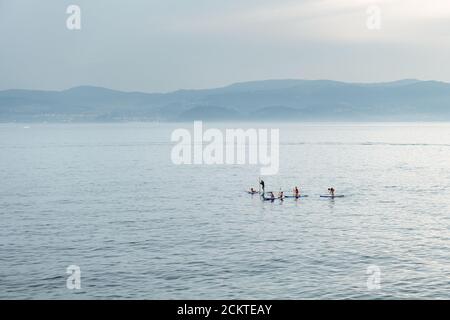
{"type": "Point", "coordinates": [261, 182]}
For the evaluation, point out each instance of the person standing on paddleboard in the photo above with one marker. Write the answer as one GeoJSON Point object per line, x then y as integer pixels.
{"type": "Point", "coordinates": [261, 182]}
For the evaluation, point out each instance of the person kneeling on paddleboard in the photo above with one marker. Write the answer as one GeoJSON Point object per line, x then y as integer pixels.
{"type": "Point", "coordinates": [272, 196]}
{"type": "Point", "coordinates": [296, 192]}
{"type": "Point", "coordinates": [281, 195]}
{"type": "Point", "coordinates": [331, 191]}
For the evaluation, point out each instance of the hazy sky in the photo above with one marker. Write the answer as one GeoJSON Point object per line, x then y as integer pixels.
{"type": "Point", "coordinates": [164, 45]}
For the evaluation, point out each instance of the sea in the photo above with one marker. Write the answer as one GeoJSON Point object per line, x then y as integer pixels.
{"type": "Point", "coordinates": [107, 200]}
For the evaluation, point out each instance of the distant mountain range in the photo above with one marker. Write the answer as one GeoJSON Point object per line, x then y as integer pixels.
{"type": "Point", "coordinates": [290, 100]}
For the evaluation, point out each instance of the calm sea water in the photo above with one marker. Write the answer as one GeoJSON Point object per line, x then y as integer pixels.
{"type": "Point", "coordinates": [107, 198]}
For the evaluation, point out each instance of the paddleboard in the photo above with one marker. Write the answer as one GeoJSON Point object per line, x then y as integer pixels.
{"type": "Point", "coordinates": [301, 196]}
{"type": "Point", "coordinates": [330, 196]}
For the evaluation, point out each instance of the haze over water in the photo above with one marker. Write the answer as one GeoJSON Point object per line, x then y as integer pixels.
{"type": "Point", "coordinates": [107, 198]}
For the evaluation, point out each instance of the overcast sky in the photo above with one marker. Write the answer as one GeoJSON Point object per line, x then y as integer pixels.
{"type": "Point", "coordinates": [165, 45]}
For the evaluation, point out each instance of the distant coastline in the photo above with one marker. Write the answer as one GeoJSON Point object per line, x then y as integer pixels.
{"type": "Point", "coordinates": [268, 100]}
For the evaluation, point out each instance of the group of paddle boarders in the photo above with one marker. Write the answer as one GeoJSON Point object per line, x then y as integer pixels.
{"type": "Point", "coordinates": [295, 193]}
